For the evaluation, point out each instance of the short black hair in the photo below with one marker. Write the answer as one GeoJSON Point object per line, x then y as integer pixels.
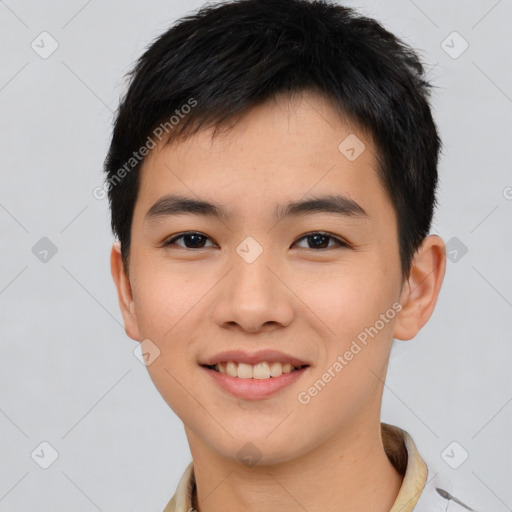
{"type": "Point", "coordinates": [216, 63]}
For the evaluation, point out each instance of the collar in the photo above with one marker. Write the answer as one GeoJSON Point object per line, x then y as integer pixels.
{"type": "Point", "coordinates": [399, 447]}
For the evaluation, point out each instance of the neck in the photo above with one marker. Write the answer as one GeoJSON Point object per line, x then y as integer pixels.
{"type": "Point", "coordinates": [346, 474]}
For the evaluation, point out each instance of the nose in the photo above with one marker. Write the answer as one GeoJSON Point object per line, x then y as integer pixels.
{"type": "Point", "coordinates": [253, 297]}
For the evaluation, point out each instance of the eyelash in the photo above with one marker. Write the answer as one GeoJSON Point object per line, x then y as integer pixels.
{"type": "Point", "coordinates": [341, 243]}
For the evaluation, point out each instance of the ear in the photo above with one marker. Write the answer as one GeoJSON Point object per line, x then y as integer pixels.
{"type": "Point", "coordinates": [419, 293]}
{"type": "Point", "coordinates": [124, 292]}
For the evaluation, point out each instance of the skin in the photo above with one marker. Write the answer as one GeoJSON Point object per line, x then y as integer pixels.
{"type": "Point", "coordinates": [312, 303]}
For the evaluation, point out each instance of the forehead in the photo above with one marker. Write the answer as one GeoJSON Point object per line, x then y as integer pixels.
{"type": "Point", "coordinates": [285, 149]}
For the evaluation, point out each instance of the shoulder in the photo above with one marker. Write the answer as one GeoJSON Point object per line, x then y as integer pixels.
{"type": "Point", "coordinates": [436, 493]}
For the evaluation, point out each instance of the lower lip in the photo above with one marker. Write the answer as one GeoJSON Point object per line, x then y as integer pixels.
{"type": "Point", "coordinates": [255, 389]}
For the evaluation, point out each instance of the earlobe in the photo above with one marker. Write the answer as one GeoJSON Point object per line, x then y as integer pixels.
{"type": "Point", "coordinates": [124, 292]}
{"type": "Point", "coordinates": [420, 292]}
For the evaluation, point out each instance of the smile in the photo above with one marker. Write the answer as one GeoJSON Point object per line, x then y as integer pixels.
{"type": "Point", "coordinates": [253, 382]}
{"type": "Point", "coordinates": [260, 371]}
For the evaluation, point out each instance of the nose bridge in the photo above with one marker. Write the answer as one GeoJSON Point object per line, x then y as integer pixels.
{"type": "Point", "coordinates": [252, 295]}
{"type": "Point", "coordinates": [251, 277]}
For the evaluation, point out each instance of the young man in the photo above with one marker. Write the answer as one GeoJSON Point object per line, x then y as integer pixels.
{"type": "Point", "coordinates": [272, 179]}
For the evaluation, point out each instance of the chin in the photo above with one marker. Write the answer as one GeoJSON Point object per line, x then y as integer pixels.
{"type": "Point", "coordinates": [258, 449]}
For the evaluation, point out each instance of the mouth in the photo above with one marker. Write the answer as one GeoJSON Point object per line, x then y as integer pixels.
{"type": "Point", "coordinates": [259, 371]}
{"type": "Point", "coordinates": [262, 364]}
{"type": "Point", "coordinates": [258, 381]}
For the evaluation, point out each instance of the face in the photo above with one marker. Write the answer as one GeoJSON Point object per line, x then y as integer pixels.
{"type": "Point", "coordinates": [310, 283]}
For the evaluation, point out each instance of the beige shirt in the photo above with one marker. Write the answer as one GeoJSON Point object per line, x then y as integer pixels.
{"type": "Point", "coordinates": [401, 451]}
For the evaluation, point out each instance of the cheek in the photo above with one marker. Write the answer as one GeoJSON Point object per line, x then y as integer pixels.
{"type": "Point", "coordinates": [348, 377]}
{"type": "Point", "coordinates": [168, 306]}
{"type": "Point", "coordinates": [356, 310]}
{"type": "Point", "coordinates": [164, 309]}
{"type": "Point", "coordinates": [162, 299]}
{"type": "Point", "coordinates": [346, 300]}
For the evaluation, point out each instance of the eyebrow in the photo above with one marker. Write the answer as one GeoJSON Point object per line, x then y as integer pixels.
{"type": "Point", "coordinates": [170, 205]}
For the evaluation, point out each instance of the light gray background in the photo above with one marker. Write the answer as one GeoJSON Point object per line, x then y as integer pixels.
{"type": "Point", "coordinates": [68, 375]}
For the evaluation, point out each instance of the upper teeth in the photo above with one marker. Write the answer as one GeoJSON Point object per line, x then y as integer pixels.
{"type": "Point", "coordinates": [262, 370]}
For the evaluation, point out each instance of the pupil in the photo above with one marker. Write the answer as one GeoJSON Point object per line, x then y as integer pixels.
{"type": "Point", "coordinates": [316, 237]}
{"type": "Point", "coordinates": [193, 236]}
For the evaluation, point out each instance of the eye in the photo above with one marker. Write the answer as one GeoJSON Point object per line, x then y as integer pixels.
{"type": "Point", "coordinates": [192, 240]}
{"type": "Point", "coordinates": [319, 240]}
{"type": "Point", "coordinates": [195, 240]}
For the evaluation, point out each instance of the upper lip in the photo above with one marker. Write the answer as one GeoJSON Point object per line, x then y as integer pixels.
{"type": "Point", "coordinates": [239, 356]}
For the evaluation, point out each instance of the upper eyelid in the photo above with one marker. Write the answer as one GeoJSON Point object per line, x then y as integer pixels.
{"type": "Point", "coordinates": [179, 235]}
{"type": "Point", "coordinates": [336, 238]}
